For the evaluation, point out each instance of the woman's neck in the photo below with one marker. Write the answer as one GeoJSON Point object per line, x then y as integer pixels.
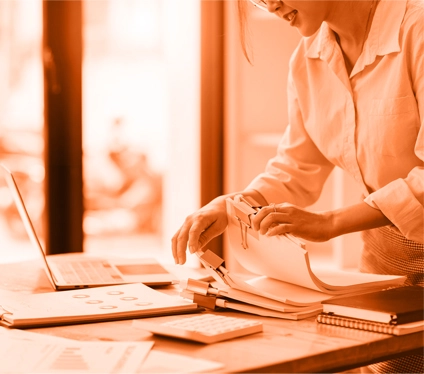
{"type": "Point", "coordinates": [351, 21]}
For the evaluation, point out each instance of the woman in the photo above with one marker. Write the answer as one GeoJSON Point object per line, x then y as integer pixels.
{"type": "Point", "coordinates": [356, 101]}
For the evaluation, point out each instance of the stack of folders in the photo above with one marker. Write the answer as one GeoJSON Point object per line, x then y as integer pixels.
{"type": "Point", "coordinates": [395, 311]}
{"type": "Point", "coordinates": [286, 284]}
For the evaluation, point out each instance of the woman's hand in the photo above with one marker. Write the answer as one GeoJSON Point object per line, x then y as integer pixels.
{"type": "Point", "coordinates": [202, 226]}
{"type": "Point", "coordinates": [278, 219]}
{"type": "Point", "coordinates": [199, 229]}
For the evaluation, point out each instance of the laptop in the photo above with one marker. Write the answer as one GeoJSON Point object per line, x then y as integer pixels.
{"type": "Point", "coordinates": [76, 270]}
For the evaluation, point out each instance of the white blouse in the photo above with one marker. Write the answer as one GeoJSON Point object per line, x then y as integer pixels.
{"type": "Point", "coordinates": [370, 123]}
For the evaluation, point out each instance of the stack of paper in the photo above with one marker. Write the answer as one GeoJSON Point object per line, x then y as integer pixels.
{"type": "Point", "coordinates": [282, 259]}
{"type": "Point", "coordinates": [287, 285]}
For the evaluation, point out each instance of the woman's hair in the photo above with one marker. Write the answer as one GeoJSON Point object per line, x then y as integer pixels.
{"type": "Point", "coordinates": [243, 29]}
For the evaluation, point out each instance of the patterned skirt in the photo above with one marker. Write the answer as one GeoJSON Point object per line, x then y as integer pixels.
{"type": "Point", "coordinates": [386, 251]}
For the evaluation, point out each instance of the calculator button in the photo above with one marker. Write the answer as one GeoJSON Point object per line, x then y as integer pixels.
{"type": "Point", "coordinates": [204, 328]}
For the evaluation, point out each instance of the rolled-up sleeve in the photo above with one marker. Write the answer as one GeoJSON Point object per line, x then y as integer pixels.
{"type": "Point", "coordinates": [399, 204]}
{"type": "Point", "coordinates": [402, 200]}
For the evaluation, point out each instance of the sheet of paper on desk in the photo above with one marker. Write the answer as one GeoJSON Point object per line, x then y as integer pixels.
{"type": "Point", "coordinates": [88, 305]}
{"type": "Point", "coordinates": [47, 354]}
{"type": "Point", "coordinates": [163, 362]}
{"type": "Point", "coordinates": [26, 352]}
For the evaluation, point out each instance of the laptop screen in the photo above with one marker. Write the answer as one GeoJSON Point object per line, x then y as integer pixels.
{"type": "Point", "coordinates": [10, 180]}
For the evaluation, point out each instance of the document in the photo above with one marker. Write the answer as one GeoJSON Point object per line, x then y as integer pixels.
{"type": "Point", "coordinates": [88, 305]}
{"type": "Point", "coordinates": [164, 362]}
{"type": "Point", "coordinates": [26, 352]}
{"type": "Point", "coordinates": [283, 259]}
{"type": "Point", "coordinates": [48, 354]}
{"type": "Point", "coordinates": [286, 286]}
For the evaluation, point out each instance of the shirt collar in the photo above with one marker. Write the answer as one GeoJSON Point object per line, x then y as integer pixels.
{"type": "Point", "coordinates": [383, 37]}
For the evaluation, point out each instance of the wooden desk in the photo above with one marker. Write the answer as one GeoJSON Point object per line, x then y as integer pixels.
{"type": "Point", "coordinates": [284, 346]}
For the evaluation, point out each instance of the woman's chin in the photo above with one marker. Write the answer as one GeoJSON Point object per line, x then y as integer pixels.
{"type": "Point", "coordinates": [306, 31]}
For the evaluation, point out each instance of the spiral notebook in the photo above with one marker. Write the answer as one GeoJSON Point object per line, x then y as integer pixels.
{"type": "Point", "coordinates": [358, 324]}
{"type": "Point", "coordinates": [396, 311]}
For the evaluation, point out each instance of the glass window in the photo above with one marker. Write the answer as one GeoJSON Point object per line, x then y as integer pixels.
{"type": "Point", "coordinates": [21, 121]}
{"type": "Point", "coordinates": [140, 123]}
{"type": "Point", "coordinates": [141, 71]}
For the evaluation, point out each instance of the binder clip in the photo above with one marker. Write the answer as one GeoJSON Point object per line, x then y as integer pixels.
{"type": "Point", "coordinates": [200, 293]}
{"type": "Point", "coordinates": [244, 209]}
{"type": "Point", "coordinates": [214, 263]}
{"type": "Point", "coordinates": [3, 312]}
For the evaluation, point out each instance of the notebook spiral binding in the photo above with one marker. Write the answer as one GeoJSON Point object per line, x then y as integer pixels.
{"type": "Point", "coordinates": [356, 324]}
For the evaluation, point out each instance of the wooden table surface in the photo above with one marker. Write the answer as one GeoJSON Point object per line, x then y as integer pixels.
{"type": "Point", "coordinates": [284, 346]}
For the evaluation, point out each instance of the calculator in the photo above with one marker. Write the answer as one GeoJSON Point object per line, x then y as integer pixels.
{"type": "Point", "coordinates": [204, 328]}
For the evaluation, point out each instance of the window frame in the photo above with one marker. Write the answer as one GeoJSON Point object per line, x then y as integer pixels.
{"type": "Point", "coordinates": [62, 60]}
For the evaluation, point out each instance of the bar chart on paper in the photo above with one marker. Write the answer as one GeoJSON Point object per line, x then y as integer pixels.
{"type": "Point", "coordinates": [48, 354]}
{"type": "Point", "coordinates": [71, 359]}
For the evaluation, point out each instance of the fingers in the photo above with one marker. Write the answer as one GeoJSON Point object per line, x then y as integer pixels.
{"type": "Point", "coordinates": [270, 217]}
{"type": "Point", "coordinates": [179, 241]}
{"type": "Point", "coordinates": [194, 238]}
{"type": "Point", "coordinates": [261, 215]}
{"type": "Point", "coordinates": [195, 233]}
{"type": "Point", "coordinates": [273, 220]}
{"type": "Point", "coordinates": [187, 235]}
{"type": "Point", "coordinates": [285, 218]}
{"type": "Point", "coordinates": [280, 229]}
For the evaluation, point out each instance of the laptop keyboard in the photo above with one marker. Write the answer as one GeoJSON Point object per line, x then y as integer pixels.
{"type": "Point", "coordinates": [88, 272]}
